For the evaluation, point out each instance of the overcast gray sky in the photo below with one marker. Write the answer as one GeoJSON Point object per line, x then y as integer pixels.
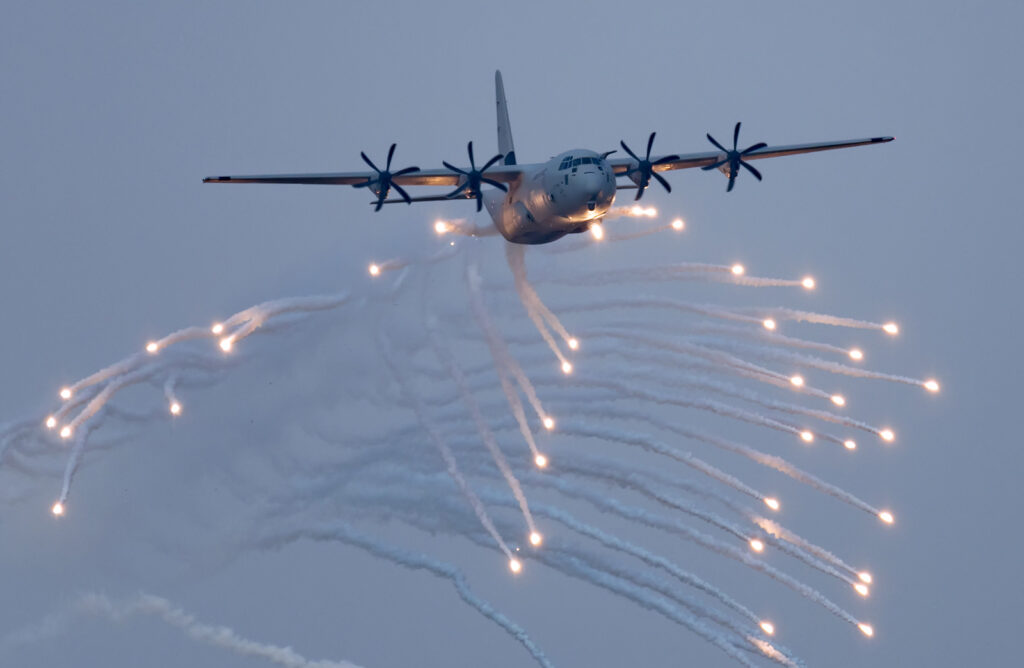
{"type": "Point", "coordinates": [113, 112]}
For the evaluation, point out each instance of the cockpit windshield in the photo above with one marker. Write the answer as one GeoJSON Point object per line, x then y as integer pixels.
{"type": "Point", "coordinates": [570, 161]}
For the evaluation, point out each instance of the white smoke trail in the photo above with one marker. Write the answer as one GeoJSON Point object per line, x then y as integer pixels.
{"type": "Point", "coordinates": [340, 532]}
{"type": "Point", "coordinates": [780, 313]}
{"type": "Point", "coordinates": [449, 460]}
{"type": "Point", "coordinates": [516, 256]}
{"type": "Point", "coordinates": [523, 289]}
{"type": "Point", "coordinates": [504, 364]}
{"type": "Point", "coordinates": [217, 636]}
{"type": "Point", "coordinates": [445, 356]}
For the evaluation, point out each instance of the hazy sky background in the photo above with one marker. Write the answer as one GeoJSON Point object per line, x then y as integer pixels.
{"type": "Point", "coordinates": [114, 111]}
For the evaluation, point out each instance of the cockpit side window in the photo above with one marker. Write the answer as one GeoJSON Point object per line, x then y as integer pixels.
{"type": "Point", "coordinates": [566, 163]}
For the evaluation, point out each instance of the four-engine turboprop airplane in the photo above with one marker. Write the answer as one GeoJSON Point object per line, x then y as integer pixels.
{"type": "Point", "coordinates": [536, 203]}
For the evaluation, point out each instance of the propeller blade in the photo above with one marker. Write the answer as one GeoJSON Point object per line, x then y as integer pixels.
{"type": "Point", "coordinates": [452, 167]}
{"type": "Point", "coordinates": [626, 149]}
{"type": "Point", "coordinates": [380, 203]}
{"type": "Point", "coordinates": [732, 180]}
{"type": "Point", "coordinates": [479, 204]}
{"type": "Point", "coordinates": [391, 153]}
{"type": "Point", "coordinates": [496, 184]}
{"type": "Point", "coordinates": [658, 176]}
{"type": "Point", "coordinates": [650, 143]}
{"type": "Point", "coordinates": [491, 162]}
{"type": "Point", "coordinates": [458, 190]}
{"type": "Point", "coordinates": [735, 135]}
{"type": "Point", "coordinates": [667, 158]}
{"type": "Point", "coordinates": [755, 147]}
{"type": "Point", "coordinates": [708, 168]}
{"type": "Point", "coordinates": [641, 187]}
{"type": "Point", "coordinates": [369, 162]}
{"type": "Point", "coordinates": [472, 163]}
{"type": "Point", "coordinates": [401, 191]}
{"type": "Point", "coordinates": [407, 170]}
{"type": "Point", "coordinates": [605, 155]}
{"type": "Point", "coordinates": [720, 147]}
{"type": "Point", "coordinates": [750, 169]}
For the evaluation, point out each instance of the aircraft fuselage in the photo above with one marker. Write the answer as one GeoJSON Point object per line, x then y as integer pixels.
{"type": "Point", "coordinates": [562, 196]}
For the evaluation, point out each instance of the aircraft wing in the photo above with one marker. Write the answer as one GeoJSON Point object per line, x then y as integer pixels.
{"type": "Point", "coordinates": [685, 161]}
{"type": "Point", "coordinates": [423, 177]}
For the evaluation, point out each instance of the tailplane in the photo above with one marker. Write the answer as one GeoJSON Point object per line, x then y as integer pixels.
{"type": "Point", "coordinates": [505, 146]}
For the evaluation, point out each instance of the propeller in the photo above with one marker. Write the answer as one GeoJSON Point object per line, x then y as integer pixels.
{"type": "Point", "coordinates": [645, 168]}
{"type": "Point", "coordinates": [385, 179]}
{"type": "Point", "coordinates": [475, 177]}
{"type": "Point", "coordinates": [734, 158]}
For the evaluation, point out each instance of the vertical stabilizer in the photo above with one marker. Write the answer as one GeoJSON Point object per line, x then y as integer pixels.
{"type": "Point", "coordinates": [504, 129]}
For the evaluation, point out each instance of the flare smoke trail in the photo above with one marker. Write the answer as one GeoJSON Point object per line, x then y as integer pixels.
{"type": "Point", "coordinates": [388, 475]}
{"type": "Point", "coordinates": [505, 364]}
{"type": "Point", "coordinates": [154, 606]}
{"type": "Point", "coordinates": [344, 534]}
{"type": "Point", "coordinates": [449, 458]}
{"type": "Point", "coordinates": [486, 435]}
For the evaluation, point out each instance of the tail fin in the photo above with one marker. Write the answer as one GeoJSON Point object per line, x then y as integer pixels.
{"type": "Point", "coordinates": [504, 129]}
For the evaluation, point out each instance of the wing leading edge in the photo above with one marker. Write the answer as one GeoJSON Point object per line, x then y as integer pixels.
{"type": "Point", "coordinates": [424, 177]}
{"type": "Point", "coordinates": [620, 165]}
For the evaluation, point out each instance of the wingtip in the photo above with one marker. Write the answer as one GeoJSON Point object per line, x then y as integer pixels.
{"type": "Point", "coordinates": [882, 140]}
{"type": "Point", "coordinates": [216, 179]}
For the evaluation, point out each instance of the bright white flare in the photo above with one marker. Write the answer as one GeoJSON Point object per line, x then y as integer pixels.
{"type": "Point", "coordinates": [738, 269]}
{"type": "Point", "coordinates": [549, 422]}
{"type": "Point", "coordinates": [65, 393]}
{"type": "Point", "coordinates": [838, 400]}
{"type": "Point", "coordinates": [865, 577]}
{"type": "Point", "coordinates": [217, 328]}
{"type": "Point", "coordinates": [566, 368]}
{"type": "Point", "coordinates": [152, 347]}
{"type": "Point", "coordinates": [808, 282]}
{"type": "Point", "coordinates": [866, 629]}
{"type": "Point", "coordinates": [772, 502]}
{"type": "Point", "coordinates": [886, 517]}
{"type": "Point", "coordinates": [756, 545]}
{"type": "Point", "coordinates": [850, 444]}
{"type": "Point", "coordinates": [797, 380]}
{"type": "Point", "coordinates": [57, 509]}
{"type": "Point", "coordinates": [374, 270]}
{"type": "Point", "coordinates": [574, 344]}
{"type": "Point", "coordinates": [931, 385]}
{"type": "Point", "coordinates": [65, 432]}
{"type": "Point", "coordinates": [541, 461]}
{"type": "Point", "coordinates": [861, 589]}
{"type": "Point", "coordinates": [891, 328]}
{"type": "Point", "coordinates": [807, 436]}
{"type": "Point", "coordinates": [887, 435]}
{"type": "Point", "coordinates": [227, 343]}
{"type": "Point", "coordinates": [536, 539]}
{"type": "Point", "coordinates": [769, 324]}
{"type": "Point", "coordinates": [175, 408]}
{"type": "Point", "coordinates": [515, 565]}
{"type": "Point", "coordinates": [856, 354]}
{"type": "Point", "coordinates": [442, 227]}
{"type": "Point", "coordinates": [768, 627]}
{"type": "Point", "coordinates": [678, 224]}
{"type": "Point", "coordinates": [51, 422]}
{"type": "Point", "coordinates": [597, 231]}
{"type": "Point", "coordinates": [639, 211]}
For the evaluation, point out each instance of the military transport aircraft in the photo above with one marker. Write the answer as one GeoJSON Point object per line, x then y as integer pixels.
{"type": "Point", "coordinates": [536, 203]}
